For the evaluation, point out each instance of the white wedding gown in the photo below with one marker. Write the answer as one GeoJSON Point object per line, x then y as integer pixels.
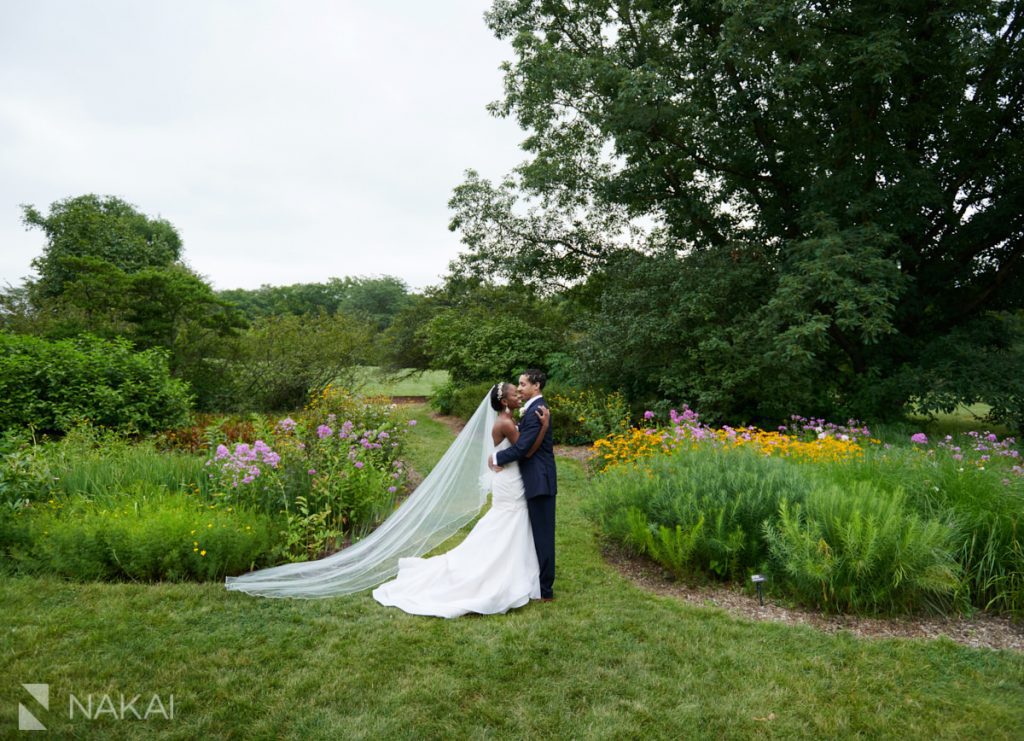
{"type": "Point", "coordinates": [492, 571]}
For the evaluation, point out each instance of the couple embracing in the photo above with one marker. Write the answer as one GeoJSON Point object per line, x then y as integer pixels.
{"type": "Point", "coordinates": [509, 556]}
{"type": "Point", "coordinates": [506, 560]}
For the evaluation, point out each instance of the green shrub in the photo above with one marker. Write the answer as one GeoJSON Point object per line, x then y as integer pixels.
{"type": "Point", "coordinates": [580, 417]}
{"type": "Point", "coordinates": [862, 550]}
{"type": "Point", "coordinates": [459, 400]}
{"type": "Point", "coordinates": [51, 385]}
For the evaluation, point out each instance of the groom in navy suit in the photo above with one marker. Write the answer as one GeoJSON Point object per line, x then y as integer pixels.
{"type": "Point", "coordinates": [538, 474]}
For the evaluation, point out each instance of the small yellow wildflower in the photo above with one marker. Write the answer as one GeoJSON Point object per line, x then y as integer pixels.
{"type": "Point", "coordinates": [202, 553]}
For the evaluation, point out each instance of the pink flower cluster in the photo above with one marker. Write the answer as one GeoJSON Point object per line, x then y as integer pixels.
{"type": "Point", "coordinates": [820, 428]}
{"type": "Point", "coordinates": [242, 464]}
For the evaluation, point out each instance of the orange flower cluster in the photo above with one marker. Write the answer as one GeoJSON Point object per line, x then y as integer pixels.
{"type": "Point", "coordinates": [636, 444]}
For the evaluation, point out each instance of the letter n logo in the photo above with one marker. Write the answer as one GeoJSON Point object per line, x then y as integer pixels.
{"type": "Point", "coordinates": [41, 694]}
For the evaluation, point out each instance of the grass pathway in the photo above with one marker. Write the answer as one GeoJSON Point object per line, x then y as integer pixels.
{"type": "Point", "coordinates": [606, 660]}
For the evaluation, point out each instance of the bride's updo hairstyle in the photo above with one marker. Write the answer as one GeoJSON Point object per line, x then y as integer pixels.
{"type": "Point", "coordinates": [498, 392]}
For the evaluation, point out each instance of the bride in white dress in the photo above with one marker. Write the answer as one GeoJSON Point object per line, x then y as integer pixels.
{"type": "Point", "coordinates": [495, 568]}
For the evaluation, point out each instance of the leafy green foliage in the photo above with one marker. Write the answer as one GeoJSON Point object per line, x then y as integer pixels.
{"type": "Point", "coordinates": [51, 385]}
{"type": "Point", "coordinates": [280, 360]}
{"type": "Point", "coordinates": [579, 417]}
{"type": "Point", "coordinates": [833, 195]}
{"type": "Point", "coordinates": [480, 331]}
{"type": "Point", "coordinates": [103, 229]}
{"type": "Point", "coordinates": [459, 400]}
{"type": "Point", "coordinates": [373, 300]}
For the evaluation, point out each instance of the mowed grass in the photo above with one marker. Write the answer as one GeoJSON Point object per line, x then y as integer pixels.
{"type": "Point", "coordinates": [374, 381]}
{"type": "Point", "coordinates": [963, 419]}
{"type": "Point", "coordinates": [605, 660]}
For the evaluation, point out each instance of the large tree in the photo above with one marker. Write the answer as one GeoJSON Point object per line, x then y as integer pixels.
{"type": "Point", "coordinates": [108, 269]}
{"type": "Point", "coordinates": [850, 174]}
{"type": "Point", "coordinates": [99, 227]}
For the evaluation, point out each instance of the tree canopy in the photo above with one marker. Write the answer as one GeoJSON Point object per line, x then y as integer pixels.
{"type": "Point", "coordinates": [834, 192]}
{"type": "Point", "coordinates": [103, 228]}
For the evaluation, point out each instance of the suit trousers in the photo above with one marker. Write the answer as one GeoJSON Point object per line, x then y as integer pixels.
{"type": "Point", "coordinates": [542, 522]}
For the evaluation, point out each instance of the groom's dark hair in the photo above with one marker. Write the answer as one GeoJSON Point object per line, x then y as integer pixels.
{"type": "Point", "coordinates": [536, 376]}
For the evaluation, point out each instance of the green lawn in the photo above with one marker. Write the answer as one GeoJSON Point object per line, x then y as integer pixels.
{"type": "Point", "coordinates": [605, 660]}
{"type": "Point", "coordinates": [963, 419]}
{"type": "Point", "coordinates": [374, 381]}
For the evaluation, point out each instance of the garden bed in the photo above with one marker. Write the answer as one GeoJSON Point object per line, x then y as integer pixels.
{"type": "Point", "coordinates": [980, 630]}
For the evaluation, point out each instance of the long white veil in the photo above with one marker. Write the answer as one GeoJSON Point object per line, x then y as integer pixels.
{"type": "Point", "coordinates": [449, 497]}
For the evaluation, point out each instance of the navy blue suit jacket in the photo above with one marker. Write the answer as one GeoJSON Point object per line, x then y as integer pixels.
{"type": "Point", "coordinates": [538, 472]}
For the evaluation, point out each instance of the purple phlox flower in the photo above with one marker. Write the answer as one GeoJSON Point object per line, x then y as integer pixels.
{"type": "Point", "coordinates": [392, 489]}
{"type": "Point", "coordinates": [984, 458]}
{"type": "Point", "coordinates": [991, 437]}
{"type": "Point", "coordinates": [648, 415]}
{"type": "Point", "coordinates": [324, 431]}
{"type": "Point", "coordinates": [412, 422]}
{"type": "Point", "coordinates": [359, 464]}
{"type": "Point", "coordinates": [347, 427]}
{"type": "Point", "coordinates": [242, 450]}
{"type": "Point", "coordinates": [260, 447]}
{"type": "Point", "coordinates": [222, 452]}
{"type": "Point", "coordinates": [248, 479]}
{"type": "Point", "coordinates": [271, 458]}
{"type": "Point", "coordinates": [383, 436]}
{"type": "Point", "coordinates": [957, 457]}
{"type": "Point", "coordinates": [302, 446]}
{"type": "Point", "coordinates": [312, 472]}
{"type": "Point", "coordinates": [396, 476]}
{"type": "Point", "coordinates": [286, 425]}
{"type": "Point", "coordinates": [920, 438]}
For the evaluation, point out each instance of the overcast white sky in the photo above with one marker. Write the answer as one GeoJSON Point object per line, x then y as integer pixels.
{"type": "Point", "coordinates": [287, 141]}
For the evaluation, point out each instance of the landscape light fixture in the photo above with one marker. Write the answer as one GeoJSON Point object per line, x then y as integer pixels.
{"type": "Point", "coordinates": [758, 579]}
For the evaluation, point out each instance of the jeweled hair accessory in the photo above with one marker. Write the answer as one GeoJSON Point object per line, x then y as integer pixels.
{"type": "Point", "coordinates": [501, 390]}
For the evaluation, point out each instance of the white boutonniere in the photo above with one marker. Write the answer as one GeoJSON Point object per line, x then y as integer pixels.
{"type": "Point", "coordinates": [519, 412]}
